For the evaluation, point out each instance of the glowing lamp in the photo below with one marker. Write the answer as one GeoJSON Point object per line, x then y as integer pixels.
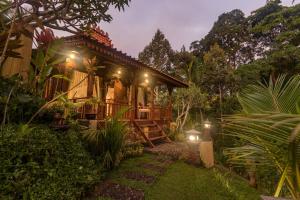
{"type": "Point", "coordinates": [119, 72]}
{"type": "Point", "coordinates": [146, 75]}
{"type": "Point", "coordinates": [207, 124]}
{"type": "Point", "coordinates": [193, 136]}
{"type": "Point", "coordinates": [72, 56]}
{"type": "Point", "coordinates": [147, 81]}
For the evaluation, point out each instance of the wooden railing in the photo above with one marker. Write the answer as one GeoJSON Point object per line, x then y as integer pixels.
{"type": "Point", "coordinates": [161, 112]}
{"type": "Point", "coordinates": [103, 110]}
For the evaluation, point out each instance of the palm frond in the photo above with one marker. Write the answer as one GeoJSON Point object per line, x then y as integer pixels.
{"type": "Point", "coordinates": [269, 127]}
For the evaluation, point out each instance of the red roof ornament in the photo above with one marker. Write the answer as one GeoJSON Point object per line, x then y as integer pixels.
{"type": "Point", "coordinates": [95, 32]}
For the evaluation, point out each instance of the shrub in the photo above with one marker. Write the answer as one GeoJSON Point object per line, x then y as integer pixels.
{"type": "Point", "coordinates": [108, 142]}
{"type": "Point", "coordinates": [41, 164]}
{"type": "Point", "coordinates": [21, 103]}
{"type": "Point", "coordinates": [132, 149]}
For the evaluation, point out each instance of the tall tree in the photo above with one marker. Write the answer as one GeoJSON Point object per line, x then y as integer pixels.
{"type": "Point", "coordinates": [231, 33]}
{"type": "Point", "coordinates": [277, 30]}
{"type": "Point", "coordinates": [186, 65]}
{"type": "Point", "coordinates": [66, 15]}
{"type": "Point", "coordinates": [158, 53]}
{"type": "Point", "coordinates": [22, 18]}
{"type": "Point", "coordinates": [217, 77]}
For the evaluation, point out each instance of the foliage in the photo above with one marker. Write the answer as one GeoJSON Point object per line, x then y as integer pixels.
{"type": "Point", "coordinates": [107, 143]}
{"type": "Point", "coordinates": [42, 67]}
{"type": "Point", "coordinates": [18, 99]}
{"type": "Point", "coordinates": [64, 14]}
{"type": "Point", "coordinates": [269, 129]}
{"type": "Point", "coordinates": [184, 99]}
{"type": "Point", "coordinates": [217, 74]}
{"type": "Point", "coordinates": [41, 164]}
{"type": "Point", "coordinates": [226, 32]}
{"type": "Point", "coordinates": [187, 66]}
{"type": "Point", "coordinates": [158, 53]}
{"type": "Point", "coordinates": [132, 149]}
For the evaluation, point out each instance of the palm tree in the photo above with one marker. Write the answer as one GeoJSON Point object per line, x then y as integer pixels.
{"type": "Point", "coordinates": [269, 127]}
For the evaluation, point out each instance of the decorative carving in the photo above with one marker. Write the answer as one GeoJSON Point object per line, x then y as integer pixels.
{"type": "Point", "coordinates": [98, 34]}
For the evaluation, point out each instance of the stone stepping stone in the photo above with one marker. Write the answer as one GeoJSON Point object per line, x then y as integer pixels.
{"type": "Point", "coordinates": [161, 170]}
{"type": "Point", "coordinates": [165, 160]}
{"type": "Point", "coordinates": [137, 176]}
{"type": "Point", "coordinates": [118, 192]}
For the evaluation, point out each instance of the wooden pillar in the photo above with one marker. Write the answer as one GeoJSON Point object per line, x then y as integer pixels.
{"type": "Point", "coordinates": [133, 96]}
{"type": "Point", "coordinates": [90, 87]}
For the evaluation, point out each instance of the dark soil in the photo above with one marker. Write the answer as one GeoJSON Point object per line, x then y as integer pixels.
{"type": "Point", "coordinates": [137, 176]}
{"type": "Point", "coordinates": [118, 192]}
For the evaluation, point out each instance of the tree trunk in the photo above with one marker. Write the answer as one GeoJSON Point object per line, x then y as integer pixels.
{"type": "Point", "coordinates": [185, 117]}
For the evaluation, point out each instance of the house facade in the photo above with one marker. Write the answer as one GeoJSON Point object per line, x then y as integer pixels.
{"type": "Point", "coordinates": [114, 81]}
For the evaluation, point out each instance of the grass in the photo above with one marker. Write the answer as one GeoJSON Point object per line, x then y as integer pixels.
{"type": "Point", "coordinates": [185, 182]}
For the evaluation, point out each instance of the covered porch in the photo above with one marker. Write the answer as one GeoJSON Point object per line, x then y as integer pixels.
{"type": "Point", "coordinates": [107, 81]}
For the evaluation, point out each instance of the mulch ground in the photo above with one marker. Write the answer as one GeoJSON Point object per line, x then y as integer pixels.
{"type": "Point", "coordinates": [137, 176]}
{"type": "Point", "coordinates": [118, 192]}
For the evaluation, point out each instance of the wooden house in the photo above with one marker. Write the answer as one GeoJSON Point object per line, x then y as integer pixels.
{"type": "Point", "coordinates": [98, 70]}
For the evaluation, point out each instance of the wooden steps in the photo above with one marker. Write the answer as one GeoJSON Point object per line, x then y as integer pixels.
{"type": "Point", "coordinates": [151, 131]}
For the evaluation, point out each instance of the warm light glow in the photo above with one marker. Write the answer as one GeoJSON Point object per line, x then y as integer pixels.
{"type": "Point", "coordinates": [119, 72]}
{"type": "Point", "coordinates": [207, 125]}
{"type": "Point", "coordinates": [147, 81]}
{"type": "Point", "coordinates": [146, 75]}
{"type": "Point", "coordinates": [72, 56]}
{"type": "Point", "coordinates": [192, 138]}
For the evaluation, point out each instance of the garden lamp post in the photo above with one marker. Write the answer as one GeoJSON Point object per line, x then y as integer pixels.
{"type": "Point", "coordinates": [206, 131]}
{"type": "Point", "coordinates": [193, 136]}
{"type": "Point", "coordinates": [206, 146]}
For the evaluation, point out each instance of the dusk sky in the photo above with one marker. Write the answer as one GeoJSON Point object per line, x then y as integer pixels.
{"type": "Point", "coordinates": [182, 21]}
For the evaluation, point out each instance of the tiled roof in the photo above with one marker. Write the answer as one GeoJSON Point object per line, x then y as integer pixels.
{"type": "Point", "coordinates": [113, 53]}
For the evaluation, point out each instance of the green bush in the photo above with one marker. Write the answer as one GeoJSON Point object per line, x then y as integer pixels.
{"type": "Point", "coordinates": [21, 103]}
{"type": "Point", "coordinates": [108, 142]}
{"type": "Point", "coordinates": [132, 149]}
{"type": "Point", "coordinates": [42, 164]}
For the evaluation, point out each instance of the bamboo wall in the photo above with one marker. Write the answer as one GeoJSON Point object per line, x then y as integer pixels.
{"type": "Point", "coordinates": [14, 66]}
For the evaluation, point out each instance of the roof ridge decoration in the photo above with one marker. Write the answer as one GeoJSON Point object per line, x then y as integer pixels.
{"type": "Point", "coordinates": [95, 32]}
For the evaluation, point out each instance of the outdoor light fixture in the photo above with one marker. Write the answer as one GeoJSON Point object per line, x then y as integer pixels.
{"type": "Point", "coordinates": [72, 56]}
{"type": "Point", "coordinates": [207, 124]}
{"type": "Point", "coordinates": [193, 136]}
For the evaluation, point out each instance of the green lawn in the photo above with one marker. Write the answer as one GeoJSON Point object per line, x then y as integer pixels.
{"type": "Point", "coordinates": [182, 181]}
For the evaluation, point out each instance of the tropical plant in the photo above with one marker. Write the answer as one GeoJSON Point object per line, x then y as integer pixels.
{"type": "Point", "coordinates": [184, 100]}
{"type": "Point", "coordinates": [63, 15]}
{"type": "Point", "coordinates": [37, 163]}
{"type": "Point", "coordinates": [269, 129]}
{"type": "Point", "coordinates": [43, 65]}
{"type": "Point", "coordinates": [107, 143]}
